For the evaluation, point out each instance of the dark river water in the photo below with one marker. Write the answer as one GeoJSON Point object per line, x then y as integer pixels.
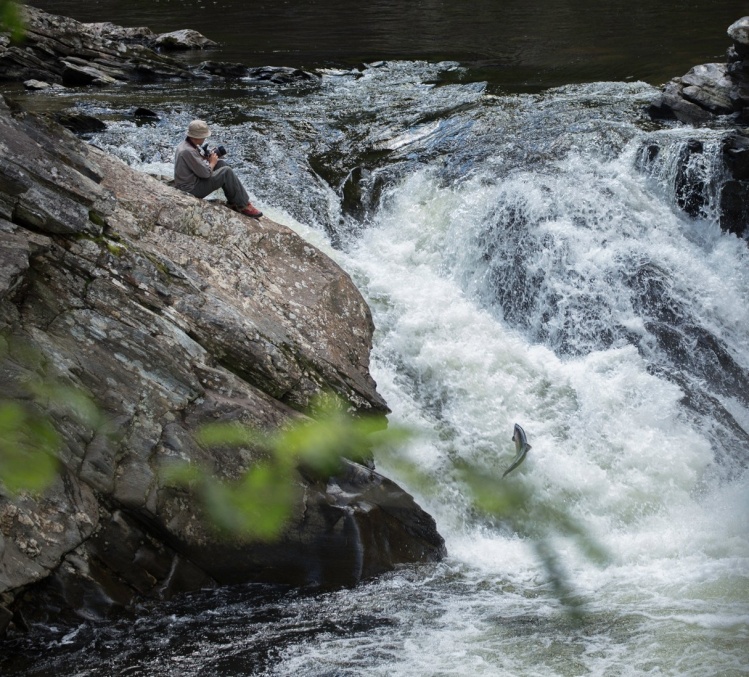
{"type": "Point", "coordinates": [517, 44]}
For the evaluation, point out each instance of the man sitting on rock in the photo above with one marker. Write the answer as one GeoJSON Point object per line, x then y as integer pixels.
{"type": "Point", "coordinates": [199, 173]}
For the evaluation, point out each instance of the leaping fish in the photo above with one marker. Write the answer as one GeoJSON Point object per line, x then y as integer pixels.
{"type": "Point", "coordinates": [521, 448]}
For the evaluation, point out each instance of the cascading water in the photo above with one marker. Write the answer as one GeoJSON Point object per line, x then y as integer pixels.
{"type": "Point", "coordinates": [526, 260]}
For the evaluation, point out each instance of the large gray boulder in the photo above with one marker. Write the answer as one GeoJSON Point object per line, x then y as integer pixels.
{"type": "Point", "coordinates": [170, 312]}
{"type": "Point", "coordinates": [711, 93]}
{"type": "Point", "coordinates": [710, 87]}
{"type": "Point", "coordinates": [183, 39]}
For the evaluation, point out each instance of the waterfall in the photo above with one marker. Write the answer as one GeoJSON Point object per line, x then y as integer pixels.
{"type": "Point", "coordinates": [543, 259]}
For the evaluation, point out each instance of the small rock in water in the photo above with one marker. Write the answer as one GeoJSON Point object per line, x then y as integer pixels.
{"type": "Point", "coordinates": [79, 123]}
{"type": "Point", "coordinates": [36, 85]}
{"type": "Point", "coordinates": [374, 64]}
{"type": "Point", "coordinates": [281, 75]}
{"type": "Point", "coordinates": [130, 35]}
{"type": "Point", "coordinates": [224, 69]}
{"type": "Point", "coordinates": [739, 33]}
{"type": "Point", "coordinates": [141, 112]}
{"type": "Point", "coordinates": [184, 39]}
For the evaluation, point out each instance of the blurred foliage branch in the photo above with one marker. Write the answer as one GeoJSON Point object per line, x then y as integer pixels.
{"type": "Point", "coordinates": [515, 505]}
{"type": "Point", "coordinates": [257, 505]}
{"type": "Point", "coordinates": [11, 21]}
{"type": "Point", "coordinates": [29, 442]}
{"type": "Point", "coordinates": [510, 505]}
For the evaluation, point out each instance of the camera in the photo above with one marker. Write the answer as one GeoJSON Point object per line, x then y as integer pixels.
{"type": "Point", "coordinates": [219, 150]}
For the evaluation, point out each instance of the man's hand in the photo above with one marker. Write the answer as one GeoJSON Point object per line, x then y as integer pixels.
{"type": "Point", "coordinates": [212, 160]}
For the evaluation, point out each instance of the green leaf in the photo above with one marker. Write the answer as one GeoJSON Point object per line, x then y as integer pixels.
{"type": "Point", "coordinates": [256, 507]}
{"type": "Point", "coordinates": [27, 446]}
{"type": "Point", "coordinates": [181, 474]}
{"type": "Point", "coordinates": [11, 21]}
{"type": "Point", "coordinates": [79, 405]}
{"type": "Point", "coordinates": [231, 434]}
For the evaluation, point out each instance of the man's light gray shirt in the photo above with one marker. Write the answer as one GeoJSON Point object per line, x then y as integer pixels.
{"type": "Point", "coordinates": [189, 166]}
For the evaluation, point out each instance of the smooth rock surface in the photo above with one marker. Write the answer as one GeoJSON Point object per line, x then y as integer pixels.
{"type": "Point", "coordinates": [59, 50]}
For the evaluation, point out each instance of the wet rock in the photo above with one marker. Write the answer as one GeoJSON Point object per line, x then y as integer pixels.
{"type": "Point", "coordinates": [36, 85]}
{"type": "Point", "coordinates": [281, 75]}
{"type": "Point", "coordinates": [145, 113]}
{"type": "Point", "coordinates": [373, 64]}
{"type": "Point", "coordinates": [714, 94]}
{"type": "Point", "coordinates": [709, 86]}
{"type": "Point", "coordinates": [61, 50]}
{"type": "Point", "coordinates": [697, 186]}
{"type": "Point", "coordinates": [109, 31]}
{"type": "Point", "coordinates": [78, 74]}
{"type": "Point", "coordinates": [356, 525]}
{"type": "Point", "coordinates": [79, 123]}
{"type": "Point", "coordinates": [690, 187]}
{"type": "Point", "coordinates": [736, 152]}
{"type": "Point", "coordinates": [184, 39]}
{"type": "Point", "coordinates": [734, 193]}
{"type": "Point", "coordinates": [739, 33]}
{"type": "Point", "coordinates": [224, 70]}
{"type": "Point", "coordinates": [672, 105]}
{"type": "Point", "coordinates": [734, 207]}
{"type": "Point", "coordinates": [647, 154]}
{"type": "Point", "coordinates": [709, 92]}
{"type": "Point", "coordinates": [6, 616]}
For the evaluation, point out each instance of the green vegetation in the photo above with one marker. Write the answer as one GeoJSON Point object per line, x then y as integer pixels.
{"type": "Point", "coordinates": [97, 218]}
{"type": "Point", "coordinates": [10, 20]}
{"type": "Point", "coordinates": [28, 440]}
{"type": "Point", "coordinates": [28, 443]}
{"type": "Point", "coordinates": [258, 504]}
{"type": "Point", "coordinates": [115, 249]}
{"type": "Point", "coordinates": [538, 519]}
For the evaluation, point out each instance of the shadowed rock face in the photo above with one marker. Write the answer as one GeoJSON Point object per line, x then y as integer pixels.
{"type": "Point", "coordinates": [716, 94]}
{"type": "Point", "coordinates": [169, 312]}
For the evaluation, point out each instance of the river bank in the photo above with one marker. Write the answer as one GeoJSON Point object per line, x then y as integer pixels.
{"type": "Point", "coordinates": [168, 312]}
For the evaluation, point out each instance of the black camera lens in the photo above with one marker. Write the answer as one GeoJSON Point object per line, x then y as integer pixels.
{"type": "Point", "coordinates": [220, 151]}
